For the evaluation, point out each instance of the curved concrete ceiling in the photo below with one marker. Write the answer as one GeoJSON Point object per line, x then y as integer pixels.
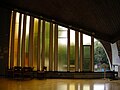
{"type": "Point", "coordinates": [100, 18]}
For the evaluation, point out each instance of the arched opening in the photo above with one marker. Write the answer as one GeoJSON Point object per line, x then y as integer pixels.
{"type": "Point", "coordinates": [101, 59]}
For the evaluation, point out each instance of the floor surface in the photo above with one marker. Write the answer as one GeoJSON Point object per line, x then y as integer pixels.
{"type": "Point", "coordinates": [59, 84]}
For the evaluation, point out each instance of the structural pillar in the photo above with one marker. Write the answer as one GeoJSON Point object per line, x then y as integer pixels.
{"type": "Point", "coordinates": [23, 41]}
{"type": "Point", "coordinates": [92, 53]}
{"type": "Point", "coordinates": [81, 51]}
{"type": "Point", "coordinates": [76, 50]}
{"type": "Point", "coordinates": [19, 40]}
{"type": "Point", "coordinates": [12, 36]}
{"type": "Point", "coordinates": [31, 29]}
{"type": "Point", "coordinates": [51, 47]}
{"type": "Point", "coordinates": [68, 50]}
{"type": "Point", "coordinates": [38, 51]}
{"type": "Point", "coordinates": [43, 45]}
{"type": "Point", "coordinates": [56, 48]}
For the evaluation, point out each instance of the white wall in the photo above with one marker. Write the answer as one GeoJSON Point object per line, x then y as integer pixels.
{"type": "Point", "coordinates": [115, 57]}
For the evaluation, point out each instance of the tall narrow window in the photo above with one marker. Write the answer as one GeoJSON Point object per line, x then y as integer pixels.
{"type": "Point", "coordinates": [86, 58]}
{"type": "Point", "coordinates": [35, 42]}
{"type": "Point", "coordinates": [38, 43]}
{"type": "Point", "coordinates": [86, 39]}
{"type": "Point", "coordinates": [47, 31]}
{"type": "Point", "coordinates": [16, 38]}
{"type": "Point", "coordinates": [72, 50]}
{"type": "Point", "coordinates": [27, 41]}
{"type": "Point", "coordinates": [62, 48]}
{"type": "Point", "coordinates": [86, 53]}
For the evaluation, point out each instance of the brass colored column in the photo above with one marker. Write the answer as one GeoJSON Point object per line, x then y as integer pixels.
{"type": "Point", "coordinates": [38, 51]}
{"type": "Point", "coordinates": [31, 30]}
{"type": "Point", "coordinates": [68, 50]}
{"type": "Point", "coordinates": [56, 48]}
{"type": "Point", "coordinates": [10, 37]}
{"type": "Point", "coordinates": [12, 40]}
{"type": "Point", "coordinates": [23, 42]}
{"type": "Point", "coordinates": [81, 51]}
{"type": "Point", "coordinates": [76, 50]}
{"type": "Point", "coordinates": [92, 53]}
{"type": "Point", "coordinates": [43, 45]}
{"type": "Point", "coordinates": [19, 39]}
{"type": "Point", "coordinates": [51, 47]}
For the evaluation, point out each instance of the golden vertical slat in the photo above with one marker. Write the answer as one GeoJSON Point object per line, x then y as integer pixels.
{"type": "Point", "coordinates": [19, 38]}
{"type": "Point", "coordinates": [38, 51]}
{"type": "Point", "coordinates": [92, 53]}
{"type": "Point", "coordinates": [9, 61]}
{"type": "Point", "coordinates": [31, 52]}
{"type": "Point", "coordinates": [12, 40]}
{"type": "Point", "coordinates": [51, 47]}
{"type": "Point", "coordinates": [23, 41]}
{"type": "Point", "coordinates": [68, 50]}
{"type": "Point", "coordinates": [43, 45]}
{"type": "Point", "coordinates": [76, 50]}
{"type": "Point", "coordinates": [81, 51]}
{"type": "Point", "coordinates": [56, 48]}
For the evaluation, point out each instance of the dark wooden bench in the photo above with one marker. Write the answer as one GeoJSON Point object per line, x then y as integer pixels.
{"type": "Point", "coordinates": [18, 72]}
{"type": "Point", "coordinates": [27, 72]}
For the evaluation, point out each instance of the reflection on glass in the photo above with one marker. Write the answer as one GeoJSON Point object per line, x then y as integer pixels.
{"type": "Point", "coordinates": [86, 58]}
{"type": "Point", "coordinates": [35, 47]}
{"type": "Point", "coordinates": [72, 50]}
{"type": "Point", "coordinates": [27, 40]}
{"type": "Point", "coordinates": [62, 48]}
{"type": "Point", "coordinates": [86, 40]}
{"type": "Point", "coordinates": [16, 38]}
{"type": "Point", "coordinates": [72, 37]}
{"type": "Point", "coordinates": [47, 31]}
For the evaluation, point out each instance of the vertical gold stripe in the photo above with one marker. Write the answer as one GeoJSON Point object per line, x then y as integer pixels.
{"type": "Point", "coordinates": [39, 31]}
{"type": "Point", "coordinates": [31, 52]}
{"type": "Point", "coordinates": [68, 50]}
{"type": "Point", "coordinates": [76, 50]}
{"type": "Point", "coordinates": [43, 45]}
{"type": "Point", "coordinates": [81, 51]}
{"type": "Point", "coordinates": [12, 40]}
{"type": "Point", "coordinates": [51, 47]}
{"type": "Point", "coordinates": [23, 41]}
{"type": "Point", "coordinates": [19, 35]}
{"type": "Point", "coordinates": [10, 35]}
{"type": "Point", "coordinates": [56, 48]}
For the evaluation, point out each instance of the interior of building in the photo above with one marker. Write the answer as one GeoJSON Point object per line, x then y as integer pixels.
{"type": "Point", "coordinates": [60, 45]}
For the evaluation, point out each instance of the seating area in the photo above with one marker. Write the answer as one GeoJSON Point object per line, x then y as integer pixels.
{"type": "Point", "coordinates": [28, 73]}
{"type": "Point", "coordinates": [18, 72]}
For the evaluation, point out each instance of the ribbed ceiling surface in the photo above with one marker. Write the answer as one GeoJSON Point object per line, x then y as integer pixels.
{"type": "Point", "coordinates": [100, 18]}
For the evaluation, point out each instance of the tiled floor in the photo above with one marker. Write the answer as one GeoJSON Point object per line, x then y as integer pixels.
{"type": "Point", "coordinates": [59, 84]}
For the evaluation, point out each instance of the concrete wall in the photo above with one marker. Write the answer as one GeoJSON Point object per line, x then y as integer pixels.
{"type": "Point", "coordinates": [115, 57]}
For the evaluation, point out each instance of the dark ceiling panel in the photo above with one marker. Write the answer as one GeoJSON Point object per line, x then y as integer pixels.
{"type": "Point", "coordinates": [101, 17]}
